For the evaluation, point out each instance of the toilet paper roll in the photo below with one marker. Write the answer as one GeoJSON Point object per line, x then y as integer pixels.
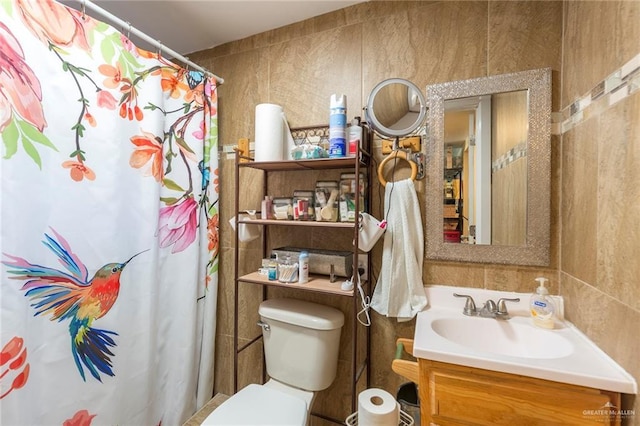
{"type": "Point", "coordinates": [377, 407]}
{"type": "Point", "coordinates": [273, 136]}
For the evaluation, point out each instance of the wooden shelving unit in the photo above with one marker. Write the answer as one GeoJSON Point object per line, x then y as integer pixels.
{"type": "Point", "coordinates": [317, 283]}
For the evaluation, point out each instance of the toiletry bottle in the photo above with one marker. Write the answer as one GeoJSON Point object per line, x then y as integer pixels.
{"type": "Point", "coordinates": [355, 137]}
{"type": "Point", "coordinates": [303, 265]}
{"type": "Point", "coordinates": [273, 267]}
{"type": "Point", "coordinates": [542, 306]}
{"type": "Point", "coordinates": [265, 208]}
{"type": "Point", "coordinates": [338, 126]}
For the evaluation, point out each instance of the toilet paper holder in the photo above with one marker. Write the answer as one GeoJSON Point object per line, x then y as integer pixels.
{"type": "Point", "coordinates": [405, 419]}
{"type": "Point", "coordinates": [379, 407]}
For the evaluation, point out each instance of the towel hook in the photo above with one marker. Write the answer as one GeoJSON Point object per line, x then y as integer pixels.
{"type": "Point", "coordinates": [396, 154]}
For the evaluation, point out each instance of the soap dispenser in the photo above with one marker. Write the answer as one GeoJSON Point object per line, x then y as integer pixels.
{"type": "Point", "coordinates": [542, 306]}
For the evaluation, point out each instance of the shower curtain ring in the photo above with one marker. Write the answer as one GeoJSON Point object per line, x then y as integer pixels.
{"type": "Point", "coordinates": [159, 49]}
{"type": "Point", "coordinates": [83, 8]}
{"type": "Point", "coordinates": [129, 30]}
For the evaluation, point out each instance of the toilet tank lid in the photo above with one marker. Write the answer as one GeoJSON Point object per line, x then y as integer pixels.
{"type": "Point", "coordinates": [301, 313]}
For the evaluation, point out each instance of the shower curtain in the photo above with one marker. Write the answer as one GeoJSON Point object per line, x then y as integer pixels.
{"type": "Point", "coordinates": [109, 225]}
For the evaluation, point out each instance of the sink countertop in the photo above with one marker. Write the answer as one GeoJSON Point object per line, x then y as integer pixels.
{"type": "Point", "coordinates": [584, 365]}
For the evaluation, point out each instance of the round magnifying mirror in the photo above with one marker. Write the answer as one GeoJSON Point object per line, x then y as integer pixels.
{"type": "Point", "coordinates": [395, 108]}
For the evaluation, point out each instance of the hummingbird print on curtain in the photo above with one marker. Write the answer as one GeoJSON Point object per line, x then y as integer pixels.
{"type": "Point", "coordinates": [72, 296]}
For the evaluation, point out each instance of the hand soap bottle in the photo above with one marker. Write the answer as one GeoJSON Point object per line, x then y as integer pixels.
{"type": "Point", "coordinates": [542, 306]}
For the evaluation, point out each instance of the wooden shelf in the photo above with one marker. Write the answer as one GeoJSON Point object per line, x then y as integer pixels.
{"type": "Point", "coordinates": [317, 164]}
{"type": "Point", "coordinates": [317, 283]}
{"type": "Point", "coordinates": [312, 223]}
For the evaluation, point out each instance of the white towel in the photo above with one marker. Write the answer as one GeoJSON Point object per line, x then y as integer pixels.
{"type": "Point", "coordinates": [400, 291]}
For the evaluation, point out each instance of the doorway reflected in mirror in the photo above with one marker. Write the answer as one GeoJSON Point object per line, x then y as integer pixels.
{"type": "Point", "coordinates": [485, 169]}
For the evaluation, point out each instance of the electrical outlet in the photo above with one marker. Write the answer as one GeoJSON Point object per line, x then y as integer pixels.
{"type": "Point", "coordinates": [363, 264]}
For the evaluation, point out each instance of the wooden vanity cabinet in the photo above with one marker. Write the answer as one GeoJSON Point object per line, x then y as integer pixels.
{"type": "Point", "coordinates": [457, 395]}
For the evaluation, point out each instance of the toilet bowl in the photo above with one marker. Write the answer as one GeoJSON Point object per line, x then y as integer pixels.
{"type": "Point", "coordinates": [301, 342]}
{"type": "Point", "coordinates": [260, 405]}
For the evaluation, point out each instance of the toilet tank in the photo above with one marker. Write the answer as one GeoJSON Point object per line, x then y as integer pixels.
{"type": "Point", "coordinates": [301, 343]}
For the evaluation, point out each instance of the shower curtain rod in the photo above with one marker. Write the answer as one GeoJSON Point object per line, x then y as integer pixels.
{"type": "Point", "coordinates": [145, 37]}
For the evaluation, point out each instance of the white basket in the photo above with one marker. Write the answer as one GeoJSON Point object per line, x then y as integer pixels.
{"type": "Point", "coordinates": [405, 419]}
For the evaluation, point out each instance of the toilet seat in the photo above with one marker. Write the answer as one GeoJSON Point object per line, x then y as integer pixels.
{"type": "Point", "coordinates": [259, 405]}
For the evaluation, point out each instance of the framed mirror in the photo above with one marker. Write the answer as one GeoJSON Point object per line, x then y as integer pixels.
{"type": "Point", "coordinates": [395, 108]}
{"type": "Point", "coordinates": [489, 155]}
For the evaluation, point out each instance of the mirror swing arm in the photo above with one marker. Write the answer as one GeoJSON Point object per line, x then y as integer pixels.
{"type": "Point", "coordinates": [391, 112]}
{"type": "Point", "coordinates": [535, 252]}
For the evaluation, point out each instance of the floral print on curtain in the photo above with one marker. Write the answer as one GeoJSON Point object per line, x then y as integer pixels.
{"type": "Point", "coordinates": [109, 226]}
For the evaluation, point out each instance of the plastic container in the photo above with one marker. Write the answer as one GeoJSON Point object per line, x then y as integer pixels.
{"type": "Point", "coordinates": [338, 126]}
{"type": "Point", "coordinates": [542, 306]}
{"type": "Point", "coordinates": [282, 208]}
{"type": "Point", "coordinates": [326, 201]}
{"type": "Point", "coordinates": [303, 267]}
{"type": "Point", "coordinates": [287, 271]}
{"type": "Point", "coordinates": [354, 137]}
{"type": "Point", "coordinates": [348, 194]}
{"type": "Point", "coordinates": [303, 205]}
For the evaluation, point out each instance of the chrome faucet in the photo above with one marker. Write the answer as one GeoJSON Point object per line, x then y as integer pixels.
{"type": "Point", "coordinates": [489, 310]}
{"type": "Point", "coordinates": [501, 312]}
{"type": "Point", "coordinates": [469, 306]}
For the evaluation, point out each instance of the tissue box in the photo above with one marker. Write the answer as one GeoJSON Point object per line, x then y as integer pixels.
{"type": "Point", "coordinates": [320, 261]}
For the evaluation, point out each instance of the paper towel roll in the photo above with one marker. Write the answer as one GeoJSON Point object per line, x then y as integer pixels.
{"type": "Point", "coordinates": [270, 133]}
{"type": "Point", "coordinates": [377, 407]}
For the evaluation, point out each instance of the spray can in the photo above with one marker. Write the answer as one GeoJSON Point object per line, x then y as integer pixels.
{"type": "Point", "coordinates": [338, 126]}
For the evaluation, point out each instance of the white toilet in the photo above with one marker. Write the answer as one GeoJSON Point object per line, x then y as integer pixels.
{"type": "Point", "coordinates": [301, 342]}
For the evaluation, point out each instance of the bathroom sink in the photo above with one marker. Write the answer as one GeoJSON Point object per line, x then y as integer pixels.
{"type": "Point", "coordinates": [563, 354]}
{"type": "Point", "coordinates": [504, 337]}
